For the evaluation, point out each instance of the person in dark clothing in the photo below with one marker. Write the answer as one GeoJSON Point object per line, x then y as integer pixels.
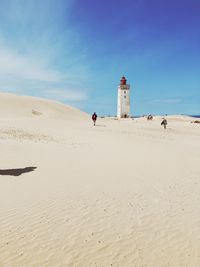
{"type": "Point", "coordinates": [164, 123]}
{"type": "Point", "coordinates": [94, 117]}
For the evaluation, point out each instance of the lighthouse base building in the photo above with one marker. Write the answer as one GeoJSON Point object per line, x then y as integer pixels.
{"type": "Point", "coordinates": [123, 103]}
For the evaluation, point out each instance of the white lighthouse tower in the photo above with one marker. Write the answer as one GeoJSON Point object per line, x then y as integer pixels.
{"type": "Point", "coordinates": [123, 105]}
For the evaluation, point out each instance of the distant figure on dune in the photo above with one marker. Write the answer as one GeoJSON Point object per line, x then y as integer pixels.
{"type": "Point", "coordinates": [149, 117]}
{"type": "Point", "coordinates": [94, 117]}
{"type": "Point", "coordinates": [164, 123]}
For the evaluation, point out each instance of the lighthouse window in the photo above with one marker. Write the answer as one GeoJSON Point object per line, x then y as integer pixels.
{"type": "Point", "coordinates": [124, 92]}
{"type": "Point", "coordinates": [125, 96]}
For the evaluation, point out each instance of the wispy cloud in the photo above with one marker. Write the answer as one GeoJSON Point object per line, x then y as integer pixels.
{"type": "Point", "coordinates": [166, 101]}
{"type": "Point", "coordinates": [66, 94]}
{"type": "Point", "coordinates": [40, 52]}
{"type": "Point", "coordinates": [13, 65]}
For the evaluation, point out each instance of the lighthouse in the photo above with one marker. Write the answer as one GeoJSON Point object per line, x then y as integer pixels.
{"type": "Point", "coordinates": [123, 105]}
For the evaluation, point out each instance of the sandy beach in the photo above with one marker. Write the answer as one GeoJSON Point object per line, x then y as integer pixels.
{"type": "Point", "coordinates": [124, 193]}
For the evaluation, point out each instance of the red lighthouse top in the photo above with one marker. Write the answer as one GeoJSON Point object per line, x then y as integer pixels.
{"type": "Point", "coordinates": [123, 81]}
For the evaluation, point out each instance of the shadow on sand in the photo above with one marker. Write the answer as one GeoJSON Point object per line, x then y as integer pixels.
{"type": "Point", "coordinates": [17, 172]}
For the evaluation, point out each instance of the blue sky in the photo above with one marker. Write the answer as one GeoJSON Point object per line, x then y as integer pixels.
{"type": "Point", "coordinates": [76, 52]}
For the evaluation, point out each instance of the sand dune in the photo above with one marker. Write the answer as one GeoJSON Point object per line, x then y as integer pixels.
{"type": "Point", "coordinates": [123, 193]}
{"type": "Point", "coordinates": [16, 106]}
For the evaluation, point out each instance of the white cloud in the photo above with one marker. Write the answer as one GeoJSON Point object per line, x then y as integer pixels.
{"type": "Point", "coordinates": [23, 74]}
{"type": "Point", "coordinates": [66, 94]}
{"type": "Point", "coordinates": [166, 101]}
{"type": "Point", "coordinates": [14, 65]}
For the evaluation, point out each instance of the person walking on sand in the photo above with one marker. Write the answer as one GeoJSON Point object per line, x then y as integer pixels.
{"type": "Point", "coordinates": [94, 117]}
{"type": "Point", "coordinates": [164, 123]}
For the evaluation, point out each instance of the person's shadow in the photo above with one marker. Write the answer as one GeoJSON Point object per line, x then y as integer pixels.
{"type": "Point", "coordinates": [17, 172]}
